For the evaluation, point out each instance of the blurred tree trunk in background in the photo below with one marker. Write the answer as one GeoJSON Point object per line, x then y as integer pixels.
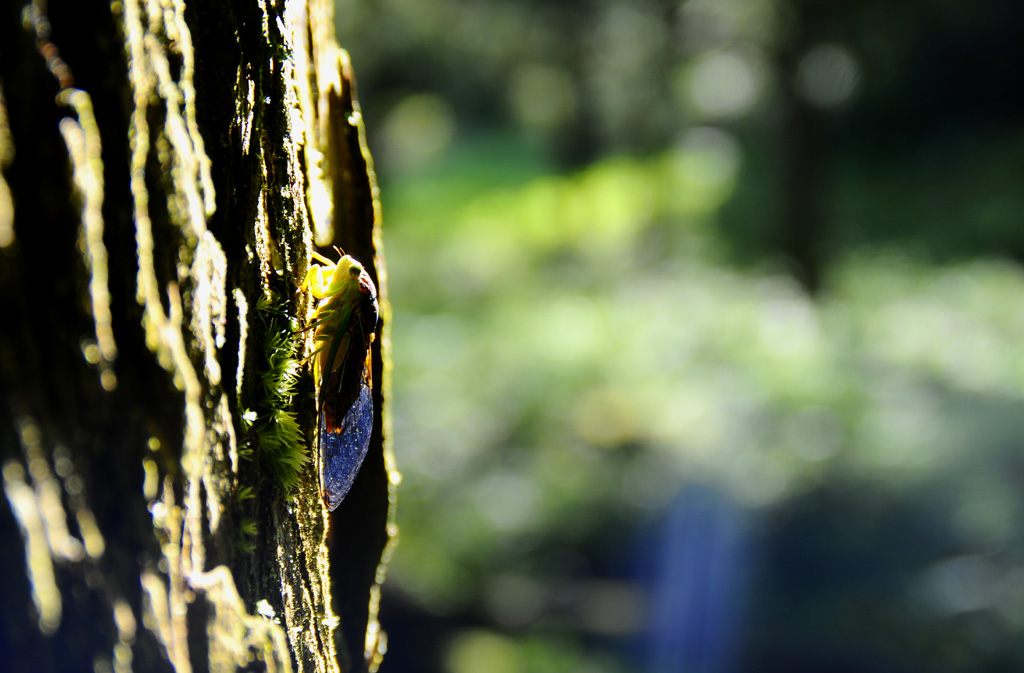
{"type": "Point", "coordinates": [803, 160]}
{"type": "Point", "coordinates": [164, 169]}
{"type": "Point", "coordinates": [802, 221]}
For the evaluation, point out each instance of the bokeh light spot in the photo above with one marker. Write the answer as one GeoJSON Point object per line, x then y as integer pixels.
{"type": "Point", "coordinates": [416, 131]}
{"type": "Point", "coordinates": [541, 96]}
{"type": "Point", "coordinates": [725, 84]}
{"type": "Point", "coordinates": [827, 75]}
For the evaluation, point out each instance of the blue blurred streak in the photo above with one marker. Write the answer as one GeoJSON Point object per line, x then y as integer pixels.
{"type": "Point", "coordinates": [700, 565]}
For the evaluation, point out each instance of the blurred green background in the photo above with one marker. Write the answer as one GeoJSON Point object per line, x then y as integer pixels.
{"type": "Point", "coordinates": [707, 332]}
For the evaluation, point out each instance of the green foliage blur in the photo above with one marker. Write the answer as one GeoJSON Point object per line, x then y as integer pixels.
{"type": "Point", "coordinates": [707, 332]}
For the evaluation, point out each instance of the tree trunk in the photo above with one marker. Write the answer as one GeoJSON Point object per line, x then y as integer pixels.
{"type": "Point", "coordinates": [163, 173]}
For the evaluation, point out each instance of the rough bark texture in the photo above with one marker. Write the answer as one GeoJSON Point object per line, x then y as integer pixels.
{"type": "Point", "coordinates": [164, 169]}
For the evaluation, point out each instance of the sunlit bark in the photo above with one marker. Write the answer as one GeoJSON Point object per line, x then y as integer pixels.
{"type": "Point", "coordinates": [164, 169]}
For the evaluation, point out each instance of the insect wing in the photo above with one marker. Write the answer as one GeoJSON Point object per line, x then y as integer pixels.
{"type": "Point", "coordinates": [346, 409]}
{"type": "Point", "coordinates": [343, 449]}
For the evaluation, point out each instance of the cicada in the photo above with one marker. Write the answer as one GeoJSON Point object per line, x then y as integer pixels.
{"type": "Point", "coordinates": [344, 324]}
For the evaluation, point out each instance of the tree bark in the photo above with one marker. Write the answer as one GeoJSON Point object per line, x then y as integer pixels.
{"type": "Point", "coordinates": [164, 170]}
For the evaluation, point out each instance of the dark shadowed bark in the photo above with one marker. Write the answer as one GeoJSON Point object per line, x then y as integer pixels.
{"type": "Point", "coordinates": [165, 170]}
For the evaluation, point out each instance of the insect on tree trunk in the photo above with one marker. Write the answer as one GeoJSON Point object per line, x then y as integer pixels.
{"type": "Point", "coordinates": [164, 171]}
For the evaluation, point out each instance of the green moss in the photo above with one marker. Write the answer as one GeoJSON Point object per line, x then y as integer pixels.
{"type": "Point", "coordinates": [245, 542]}
{"type": "Point", "coordinates": [273, 434]}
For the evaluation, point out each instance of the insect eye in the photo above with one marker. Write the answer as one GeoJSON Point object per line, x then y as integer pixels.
{"type": "Point", "coordinates": [355, 270]}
